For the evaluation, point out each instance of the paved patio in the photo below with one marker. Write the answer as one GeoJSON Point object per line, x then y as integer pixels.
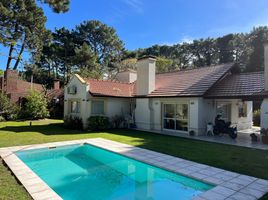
{"type": "Point", "coordinates": [228, 185]}
{"type": "Point", "coordinates": [243, 139]}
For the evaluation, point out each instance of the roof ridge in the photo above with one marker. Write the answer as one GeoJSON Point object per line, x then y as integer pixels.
{"type": "Point", "coordinates": [108, 80]}
{"type": "Point", "coordinates": [198, 68]}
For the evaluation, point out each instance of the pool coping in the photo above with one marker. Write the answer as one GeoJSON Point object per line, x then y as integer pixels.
{"type": "Point", "coordinates": [228, 185]}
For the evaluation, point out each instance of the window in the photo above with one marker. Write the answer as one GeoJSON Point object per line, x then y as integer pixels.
{"type": "Point", "coordinates": [75, 107]}
{"type": "Point", "coordinates": [72, 89]}
{"type": "Point", "coordinates": [242, 110]}
{"type": "Point", "coordinates": [97, 107]}
{"type": "Point", "coordinates": [224, 109]}
{"type": "Point", "coordinates": [175, 117]}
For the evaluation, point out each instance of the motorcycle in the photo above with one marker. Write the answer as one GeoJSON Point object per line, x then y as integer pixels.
{"type": "Point", "coordinates": [221, 127]}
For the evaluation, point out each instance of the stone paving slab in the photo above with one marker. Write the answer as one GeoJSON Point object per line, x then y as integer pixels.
{"type": "Point", "coordinates": [228, 185]}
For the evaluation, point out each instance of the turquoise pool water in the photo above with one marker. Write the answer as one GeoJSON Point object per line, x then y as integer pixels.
{"type": "Point", "coordinates": [88, 172]}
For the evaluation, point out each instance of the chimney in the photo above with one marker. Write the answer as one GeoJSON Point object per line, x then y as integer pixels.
{"type": "Point", "coordinates": [266, 66]}
{"type": "Point", "coordinates": [11, 80]}
{"type": "Point", "coordinates": [145, 75]}
{"type": "Point", "coordinates": [56, 84]}
{"type": "Point", "coordinates": [128, 76]}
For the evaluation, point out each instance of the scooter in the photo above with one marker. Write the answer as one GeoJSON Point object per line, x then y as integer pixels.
{"type": "Point", "coordinates": [221, 127]}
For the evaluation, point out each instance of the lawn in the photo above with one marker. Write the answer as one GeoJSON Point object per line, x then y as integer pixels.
{"type": "Point", "coordinates": [243, 160]}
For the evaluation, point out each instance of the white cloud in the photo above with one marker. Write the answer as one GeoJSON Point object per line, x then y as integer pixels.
{"type": "Point", "coordinates": [134, 4]}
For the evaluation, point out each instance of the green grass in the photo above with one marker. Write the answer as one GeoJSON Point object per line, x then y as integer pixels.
{"type": "Point", "coordinates": [243, 160]}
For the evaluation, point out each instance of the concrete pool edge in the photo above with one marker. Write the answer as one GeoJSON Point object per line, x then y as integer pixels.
{"type": "Point", "coordinates": [228, 185]}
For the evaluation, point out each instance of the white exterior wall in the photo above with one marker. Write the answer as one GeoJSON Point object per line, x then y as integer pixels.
{"type": "Point", "coordinates": [112, 106]}
{"type": "Point", "coordinates": [149, 113]}
{"type": "Point", "coordinates": [143, 114]}
{"type": "Point", "coordinates": [264, 114]}
{"type": "Point", "coordinates": [81, 95]}
{"type": "Point", "coordinates": [149, 116]}
{"type": "Point", "coordinates": [117, 106]}
{"type": "Point", "coordinates": [264, 105]}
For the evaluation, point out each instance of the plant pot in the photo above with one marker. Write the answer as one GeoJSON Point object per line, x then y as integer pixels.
{"type": "Point", "coordinates": [264, 139]}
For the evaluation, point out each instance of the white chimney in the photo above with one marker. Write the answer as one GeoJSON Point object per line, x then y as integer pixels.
{"type": "Point", "coordinates": [128, 76]}
{"type": "Point", "coordinates": [145, 75]}
{"type": "Point", "coordinates": [266, 66]}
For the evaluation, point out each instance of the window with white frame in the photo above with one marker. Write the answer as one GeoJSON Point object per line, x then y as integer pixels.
{"type": "Point", "coordinates": [75, 107]}
{"type": "Point", "coordinates": [97, 107]}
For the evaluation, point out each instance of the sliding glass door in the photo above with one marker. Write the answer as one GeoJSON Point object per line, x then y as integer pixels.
{"type": "Point", "coordinates": [175, 117]}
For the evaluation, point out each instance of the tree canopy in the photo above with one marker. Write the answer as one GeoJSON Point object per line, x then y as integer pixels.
{"type": "Point", "coordinates": [243, 49]}
{"type": "Point", "coordinates": [93, 49]}
{"type": "Point", "coordinates": [22, 26]}
{"type": "Point", "coordinates": [58, 6]}
{"type": "Point", "coordinates": [89, 50]}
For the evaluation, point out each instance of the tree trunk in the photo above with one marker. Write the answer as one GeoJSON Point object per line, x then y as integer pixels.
{"type": "Point", "coordinates": [11, 50]}
{"type": "Point", "coordinates": [9, 56]}
{"type": "Point", "coordinates": [19, 56]}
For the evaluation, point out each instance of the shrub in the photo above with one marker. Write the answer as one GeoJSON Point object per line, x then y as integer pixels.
{"type": "Point", "coordinates": [117, 121]}
{"type": "Point", "coordinates": [73, 122]}
{"type": "Point", "coordinates": [98, 123]}
{"type": "Point", "coordinates": [256, 117]}
{"type": "Point", "coordinates": [8, 110]}
{"type": "Point", "coordinates": [2, 119]}
{"type": "Point", "coordinates": [35, 106]}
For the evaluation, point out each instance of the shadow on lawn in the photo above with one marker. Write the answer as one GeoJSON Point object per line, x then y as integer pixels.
{"type": "Point", "coordinates": [46, 129]}
{"type": "Point", "coordinates": [59, 129]}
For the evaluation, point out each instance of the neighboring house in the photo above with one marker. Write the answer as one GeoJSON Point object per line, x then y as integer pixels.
{"type": "Point", "coordinates": [16, 88]}
{"type": "Point", "coordinates": [180, 101]}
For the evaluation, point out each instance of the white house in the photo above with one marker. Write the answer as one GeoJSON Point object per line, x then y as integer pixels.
{"type": "Point", "coordinates": [180, 101]}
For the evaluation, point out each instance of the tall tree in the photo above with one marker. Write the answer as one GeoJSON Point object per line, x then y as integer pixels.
{"type": "Point", "coordinates": [258, 37]}
{"type": "Point", "coordinates": [225, 48]}
{"type": "Point", "coordinates": [163, 64]}
{"type": "Point", "coordinates": [58, 6]}
{"type": "Point", "coordinates": [22, 26]}
{"type": "Point", "coordinates": [103, 41]}
{"type": "Point", "coordinates": [86, 62]}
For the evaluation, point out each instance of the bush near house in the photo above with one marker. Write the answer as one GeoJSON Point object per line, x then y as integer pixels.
{"type": "Point", "coordinates": [35, 106]}
{"type": "Point", "coordinates": [256, 117]}
{"type": "Point", "coordinates": [8, 110]}
{"type": "Point", "coordinates": [98, 123]}
{"type": "Point", "coordinates": [73, 122]}
{"type": "Point", "coordinates": [117, 121]}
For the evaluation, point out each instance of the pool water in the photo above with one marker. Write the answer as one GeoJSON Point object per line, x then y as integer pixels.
{"type": "Point", "coordinates": [88, 172]}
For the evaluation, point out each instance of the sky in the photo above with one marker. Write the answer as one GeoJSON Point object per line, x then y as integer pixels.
{"type": "Point", "coordinates": [143, 23]}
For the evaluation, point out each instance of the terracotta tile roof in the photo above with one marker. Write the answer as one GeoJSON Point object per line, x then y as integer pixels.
{"type": "Point", "coordinates": [194, 82]}
{"type": "Point", "coordinates": [238, 85]}
{"type": "Point", "coordinates": [55, 93]}
{"type": "Point", "coordinates": [109, 88]}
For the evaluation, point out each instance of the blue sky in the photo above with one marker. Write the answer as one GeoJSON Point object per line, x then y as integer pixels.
{"type": "Point", "coordinates": [142, 23]}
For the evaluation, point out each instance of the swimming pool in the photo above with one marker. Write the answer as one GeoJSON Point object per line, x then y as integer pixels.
{"type": "Point", "coordinates": [89, 172]}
